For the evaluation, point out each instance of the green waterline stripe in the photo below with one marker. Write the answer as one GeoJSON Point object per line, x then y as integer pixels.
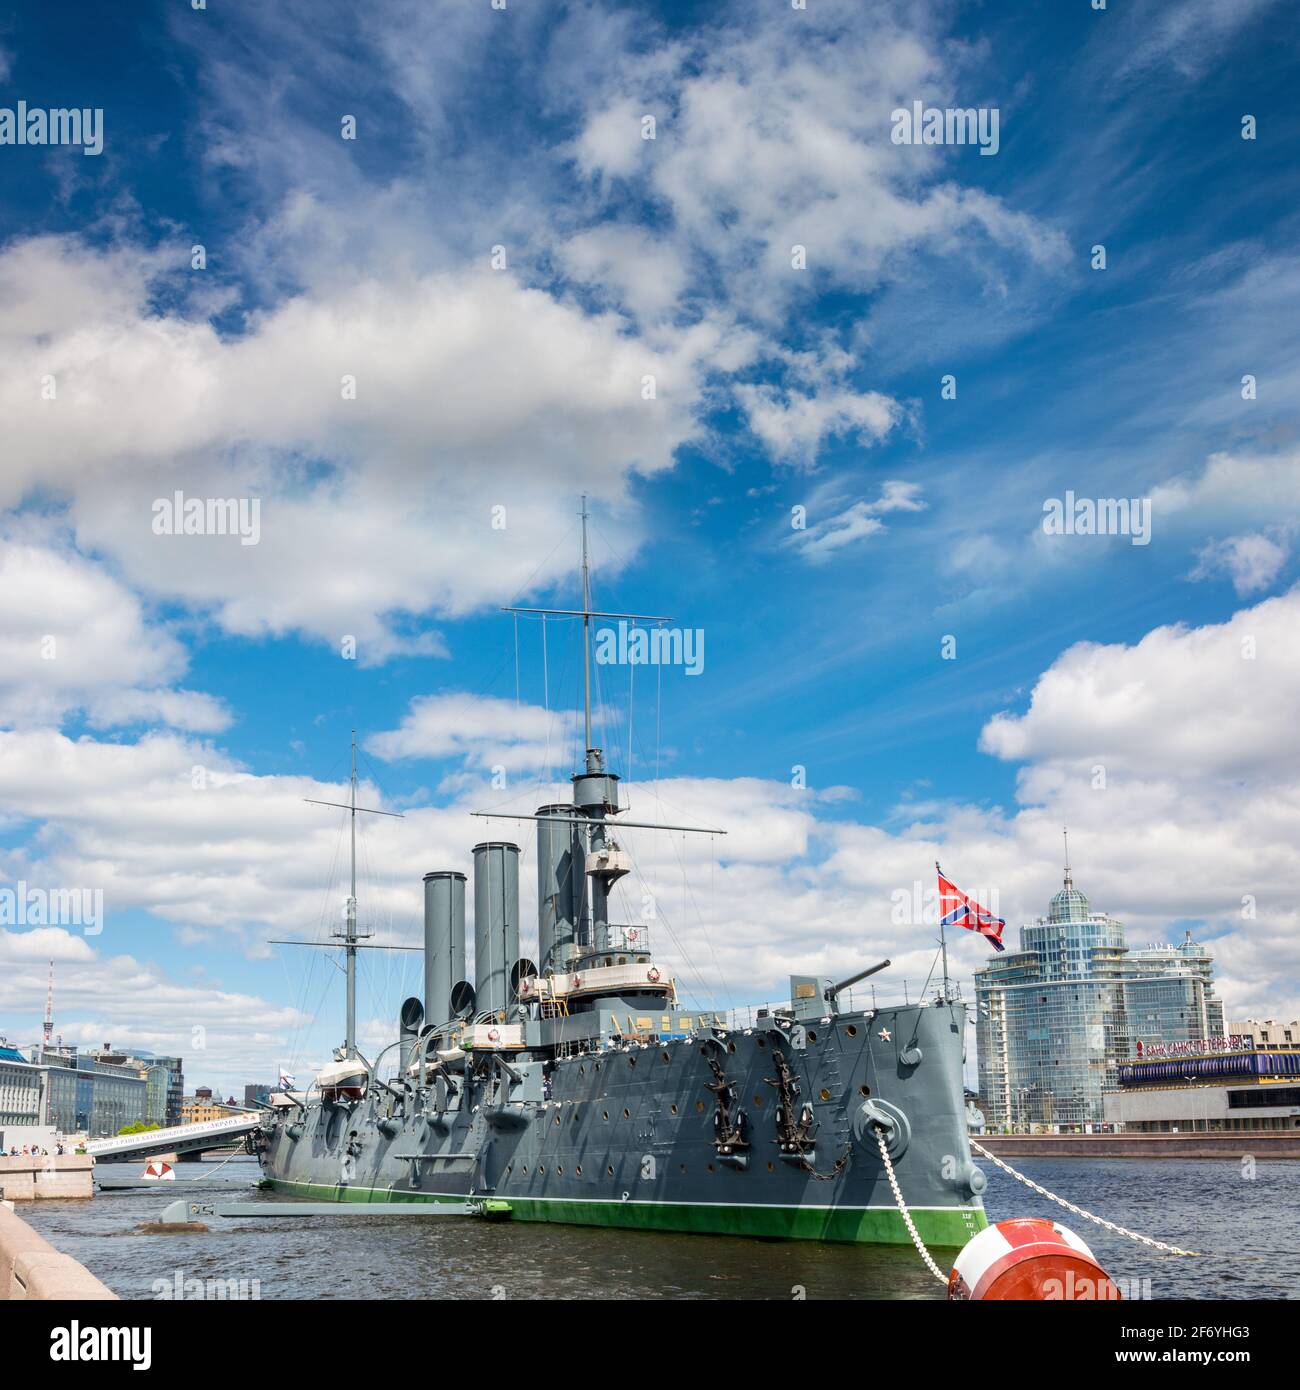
{"type": "Point", "coordinates": [939, 1226]}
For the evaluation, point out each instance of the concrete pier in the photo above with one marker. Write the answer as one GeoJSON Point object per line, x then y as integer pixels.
{"type": "Point", "coordinates": [30, 1267]}
{"type": "Point", "coordinates": [1228, 1144]}
{"type": "Point", "coordinates": [28, 1179]}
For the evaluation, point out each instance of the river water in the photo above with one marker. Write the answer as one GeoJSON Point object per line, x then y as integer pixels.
{"type": "Point", "coordinates": [1248, 1227]}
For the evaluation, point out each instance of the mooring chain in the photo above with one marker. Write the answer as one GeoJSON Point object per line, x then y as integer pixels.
{"type": "Point", "coordinates": [1079, 1211]}
{"type": "Point", "coordinates": [903, 1211]}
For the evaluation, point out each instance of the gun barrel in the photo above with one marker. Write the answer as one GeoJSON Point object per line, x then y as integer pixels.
{"type": "Point", "coordinates": [861, 975]}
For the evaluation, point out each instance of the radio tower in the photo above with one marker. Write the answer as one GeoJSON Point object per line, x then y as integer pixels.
{"type": "Point", "coordinates": [49, 1007]}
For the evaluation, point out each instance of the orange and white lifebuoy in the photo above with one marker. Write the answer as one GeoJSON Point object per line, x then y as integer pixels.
{"type": "Point", "coordinates": [652, 975]}
{"type": "Point", "coordinates": [160, 1171]}
{"type": "Point", "coordinates": [1029, 1258]}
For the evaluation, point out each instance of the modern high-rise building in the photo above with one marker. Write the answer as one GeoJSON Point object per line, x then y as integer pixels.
{"type": "Point", "coordinates": [1056, 1018]}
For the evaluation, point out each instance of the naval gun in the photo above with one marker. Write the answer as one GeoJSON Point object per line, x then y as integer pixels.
{"type": "Point", "coordinates": [856, 979]}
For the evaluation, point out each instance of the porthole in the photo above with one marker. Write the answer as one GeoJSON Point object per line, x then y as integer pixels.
{"type": "Point", "coordinates": [851, 1030]}
{"type": "Point", "coordinates": [760, 1042]}
{"type": "Point", "coordinates": [731, 1047]}
{"type": "Point", "coordinates": [712, 1169]}
{"type": "Point", "coordinates": [525, 1170]}
{"type": "Point", "coordinates": [683, 1167]}
{"type": "Point", "coordinates": [597, 1066]}
{"type": "Point", "coordinates": [557, 1119]}
{"type": "Point", "coordinates": [812, 1037]}
{"type": "Point", "coordinates": [559, 1170]}
{"type": "Point", "coordinates": [758, 1100]}
{"type": "Point", "coordinates": [579, 1170]}
{"type": "Point", "coordinates": [627, 1114]}
{"type": "Point", "coordinates": [609, 1169]}
{"type": "Point", "coordinates": [604, 1114]}
{"type": "Point", "coordinates": [699, 1107]}
{"type": "Point", "coordinates": [864, 1090]}
{"type": "Point", "coordinates": [771, 1167]}
{"type": "Point", "coordinates": [824, 1093]}
{"type": "Point", "coordinates": [631, 1061]}
{"type": "Point", "coordinates": [665, 1057]}
{"type": "Point", "coordinates": [673, 1109]}
{"type": "Point", "coordinates": [541, 1168]}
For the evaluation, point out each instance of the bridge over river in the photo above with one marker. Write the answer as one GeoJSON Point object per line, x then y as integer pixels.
{"type": "Point", "coordinates": [178, 1139]}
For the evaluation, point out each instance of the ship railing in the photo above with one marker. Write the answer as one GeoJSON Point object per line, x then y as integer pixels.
{"type": "Point", "coordinates": [902, 994]}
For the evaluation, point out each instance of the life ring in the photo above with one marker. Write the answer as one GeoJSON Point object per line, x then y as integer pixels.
{"type": "Point", "coordinates": [493, 1035]}
{"type": "Point", "coordinates": [577, 982]}
{"type": "Point", "coordinates": [652, 975]}
{"type": "Point", "coordinates": [525, 988]}
{"type": "Point", "coordinates": [631, 935]}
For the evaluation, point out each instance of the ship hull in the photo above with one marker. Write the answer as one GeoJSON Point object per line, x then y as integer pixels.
{"type": "Point", "coordinates": [627, 1138]}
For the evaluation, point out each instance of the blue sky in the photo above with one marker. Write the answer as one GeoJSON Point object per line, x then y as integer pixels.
{"type": "Point", "coordinates": [521, 386]}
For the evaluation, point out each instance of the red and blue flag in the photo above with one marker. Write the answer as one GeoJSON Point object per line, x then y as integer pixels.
{"type": "Point", "coordinates": [957, 909]}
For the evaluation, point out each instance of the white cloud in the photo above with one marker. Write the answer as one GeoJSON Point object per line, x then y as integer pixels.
{"type": "Point", "coordinates": [472, 391]}
{"type": "Point", "coordinates": [1252, 562]}
{"type": "Point", "coordinates": [793, 425]}
{"type": "Point", "coordinates": [1207, 702]}
{"type": "Point", "coordinates": [1187, 37]}
{"type": "Point", "coordinates": [73, 638]}
{"type": "Point", "coordinates": [862, 519]}
{"type": "Point", "coordinates": [481, 731]}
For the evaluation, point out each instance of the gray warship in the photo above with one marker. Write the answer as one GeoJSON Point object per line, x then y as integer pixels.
{"type": "Point", "coordinates": [578, 1088]}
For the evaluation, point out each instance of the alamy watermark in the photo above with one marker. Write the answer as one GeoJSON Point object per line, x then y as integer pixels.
{"type": "Point", "coordinates": [1100, 516]}
{"type": "Point", "coordinates": [179, 515]}
{"type": "Point", "coordinates": [59, 125]}
{"type": "Point", "coordinates": [178, 1287]}
{"type": "Point", "coordinates": [949, 125]}
{"type": "Point", "coordinates": [21, 906]}
{"type": "Point", "coordinates": [919, 905]}
{"type": "Point", "coordinates": [630, 645]}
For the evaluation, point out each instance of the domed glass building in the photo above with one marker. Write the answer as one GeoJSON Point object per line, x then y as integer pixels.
{"type": "Point", "coordinates": [1056, 1018]}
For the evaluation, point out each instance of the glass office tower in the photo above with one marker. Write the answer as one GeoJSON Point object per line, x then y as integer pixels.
{"type": "Point", "coordinates": [1055, 1019]}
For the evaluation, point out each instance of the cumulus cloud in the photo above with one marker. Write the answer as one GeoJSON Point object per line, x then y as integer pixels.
{"type": "Point", "coordinates": [1214, 701]}
{"type": "Point", "coordinates": [481, 731]}
{"type": "Point", "coordinates": [794, 425]}
{"type": "Point", "coordinates": [73, 638]}
{"type": "Point", "coordinates": [1252, 561]}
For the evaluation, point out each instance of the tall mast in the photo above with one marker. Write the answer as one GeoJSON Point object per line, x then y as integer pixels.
{"type": "Point", "coordinates": [350, 940]}
{"type": "Point", "coordinates": [350, 937]}
{"type": "Point", "coordinates": [943, 939]}
{"type": "Point", "coordinates": [586, 632]}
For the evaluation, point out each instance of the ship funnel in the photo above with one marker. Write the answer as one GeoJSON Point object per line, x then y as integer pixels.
{"type": "Point", "coordinates": [561, 886]}
{"type": "Point", "coordinates": [496, 923]}
{"type": "Point", "coordinates": [444, 942]}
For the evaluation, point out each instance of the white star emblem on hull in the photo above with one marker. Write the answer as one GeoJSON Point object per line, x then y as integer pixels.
{"type": "Point", "coordinates": [883, 1035]}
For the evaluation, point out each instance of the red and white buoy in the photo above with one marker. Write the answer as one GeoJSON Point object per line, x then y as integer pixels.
{"type": "Point", "coordinates": [159, 1170]}
{"type": "Point", "coordinates": [1032, 1259]}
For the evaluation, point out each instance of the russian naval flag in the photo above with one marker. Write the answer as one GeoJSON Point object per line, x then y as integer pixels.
{"type": "Point", "coordinates": [956, 909]}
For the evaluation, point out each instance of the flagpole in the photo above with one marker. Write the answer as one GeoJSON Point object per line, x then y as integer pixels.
{"type": "Point", "coordinates": [943, 936]}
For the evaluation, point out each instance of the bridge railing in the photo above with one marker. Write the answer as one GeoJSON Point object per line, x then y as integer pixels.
{"type": "Point", "coordinates": [156, 1140]}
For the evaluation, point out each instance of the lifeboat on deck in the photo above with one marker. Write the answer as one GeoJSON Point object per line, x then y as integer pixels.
{"type": "Point", "coordinates": [342, 1081]}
